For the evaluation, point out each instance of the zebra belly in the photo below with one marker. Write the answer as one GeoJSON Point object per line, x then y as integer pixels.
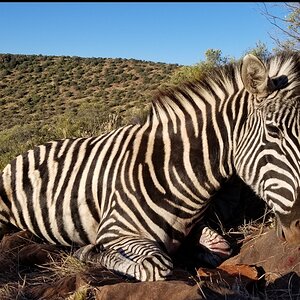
{"type": "Point", "coordinates": [58, 222]}
{"type": "Point", "coordinates": [63, 218]}
{"type": "Point", "coordinates": [50, 199]}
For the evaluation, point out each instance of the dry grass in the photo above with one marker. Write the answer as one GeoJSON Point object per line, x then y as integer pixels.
{"type": "Point", "coordinates": [65, 265]}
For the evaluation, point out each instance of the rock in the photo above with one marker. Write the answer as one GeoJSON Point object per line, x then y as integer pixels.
{"type": "Point", "coordinates": [269, 252]}
{"type": "Point", "coordinates": [21, 245]}
{"type": "Point", "coordinates": [148, 290]}
{"type": "Point", "coordinates": [16, 240]}
{"type": "Point", "coordinates": [230, 274]}
{"type": "Point", "coordinates": [36, 254]}
{"type": "Point", "coordinates": [175, 290]}
{"type": "Point", "coordinates": [58, 290]}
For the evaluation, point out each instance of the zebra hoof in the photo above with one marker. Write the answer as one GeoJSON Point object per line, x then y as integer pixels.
{"type": "Point", "coordinates": [215, 243]}
{"type": "Point", "coordinates": [86, 253]}
{"type": "Point", "coordinates": [83, 253]}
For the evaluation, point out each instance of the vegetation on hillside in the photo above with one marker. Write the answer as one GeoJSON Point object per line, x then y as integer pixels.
{"type": "Point", "coordinates": [46, 97]}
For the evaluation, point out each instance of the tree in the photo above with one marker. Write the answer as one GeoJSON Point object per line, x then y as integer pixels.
{"type": "Point", "coordinates": [260, 50]}
{"type": "Point", "coordinates": [288, 26]}
{"type": "Point", "coordinates": [213, 58]}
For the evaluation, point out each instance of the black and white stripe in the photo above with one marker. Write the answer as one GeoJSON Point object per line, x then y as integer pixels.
{"type": "Point", "coordinates": [138, 190]}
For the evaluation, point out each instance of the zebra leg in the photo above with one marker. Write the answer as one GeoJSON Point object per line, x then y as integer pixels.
{"type": "Point", "coordinates": [134, 257]}
{"type": "Point", "coordinates": [217, 248]}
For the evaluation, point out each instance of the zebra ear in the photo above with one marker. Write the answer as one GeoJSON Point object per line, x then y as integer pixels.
{"type": "Point", "coordinates": [255, 76]}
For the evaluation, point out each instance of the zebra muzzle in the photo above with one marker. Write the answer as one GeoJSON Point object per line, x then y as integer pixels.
{"type": "Point", "coordinates": [291, 234]}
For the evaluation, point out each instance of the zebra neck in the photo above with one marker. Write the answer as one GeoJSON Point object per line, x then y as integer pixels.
{"type": "Point", "coordinates": [191, 140]}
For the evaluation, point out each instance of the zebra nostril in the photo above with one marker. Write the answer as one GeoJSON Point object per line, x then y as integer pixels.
{"type": "Point", "coordinates": [297, 224]}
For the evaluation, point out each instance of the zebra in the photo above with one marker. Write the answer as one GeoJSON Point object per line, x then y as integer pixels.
{"type": "Point", "coordinates": [129, 197]}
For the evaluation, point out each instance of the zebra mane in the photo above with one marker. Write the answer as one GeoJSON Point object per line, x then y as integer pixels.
{"type": "Point", "coordinates": [221, 78]}
{"type": "Point", "coordinates": [285, 63]}
{"type": "Point", "coordinates": [224, 79]}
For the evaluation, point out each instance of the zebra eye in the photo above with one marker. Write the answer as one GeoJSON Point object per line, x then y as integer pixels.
{"type": "Point", "coordinates": [273, 130]}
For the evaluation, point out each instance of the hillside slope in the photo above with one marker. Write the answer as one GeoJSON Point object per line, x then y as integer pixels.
{"type": "Point", "coordinates": [49, 97]}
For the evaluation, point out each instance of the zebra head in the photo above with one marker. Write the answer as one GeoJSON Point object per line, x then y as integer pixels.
{"type": "Point", "coordinates": [267, 153]}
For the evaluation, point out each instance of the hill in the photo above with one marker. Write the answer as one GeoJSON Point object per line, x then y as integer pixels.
{"type": "Point", "coordinates": [51, 97]}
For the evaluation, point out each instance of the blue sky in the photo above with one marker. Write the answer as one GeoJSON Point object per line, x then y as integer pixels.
{"type": "Point", "coordinates": [161, 32]}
